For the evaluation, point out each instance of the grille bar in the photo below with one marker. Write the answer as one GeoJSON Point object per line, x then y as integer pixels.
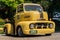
{"type": "Point", "coordinates": [41, 25]}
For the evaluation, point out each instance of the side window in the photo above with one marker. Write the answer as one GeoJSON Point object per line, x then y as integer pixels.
{"type": "Point", "coordinates": [20, 8]}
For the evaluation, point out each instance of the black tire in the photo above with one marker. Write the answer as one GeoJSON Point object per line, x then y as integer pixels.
{"type": "Point", "coordinates": [48, 34]}
{"type": "Point", "coordinates": [19, 31]}
{"type": "Point", "coordinates": [5, 31]}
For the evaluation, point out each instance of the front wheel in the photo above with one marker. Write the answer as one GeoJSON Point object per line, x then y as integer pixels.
{"type": "Point", "coordinates": [19, 32]}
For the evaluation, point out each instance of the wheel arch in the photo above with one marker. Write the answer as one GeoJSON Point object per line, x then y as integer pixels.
{"type": "Point", "coordinates": [8, 27]}
{"type": "Point", "coordinates": [4, 29]}
{"type": "Point", "coordinates": [18, 27]}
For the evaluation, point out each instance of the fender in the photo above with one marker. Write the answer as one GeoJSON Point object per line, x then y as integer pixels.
{"type": "Point", "coordinates": [8, 26]}
{"type": "Point", "coordinates": [23, 25]}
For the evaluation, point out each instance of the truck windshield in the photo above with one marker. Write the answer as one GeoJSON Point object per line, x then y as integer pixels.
{"type": "Point", "coordinates": [32, 8]}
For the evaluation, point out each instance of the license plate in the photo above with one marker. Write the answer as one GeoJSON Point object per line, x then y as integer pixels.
{"type": "Point", "coordinates": [33, 32]}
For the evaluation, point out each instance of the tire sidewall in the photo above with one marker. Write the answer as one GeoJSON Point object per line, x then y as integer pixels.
{"type": "Point", "coordinates": [19, 31]}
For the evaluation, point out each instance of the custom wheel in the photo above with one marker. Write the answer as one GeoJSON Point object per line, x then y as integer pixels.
{"type": "Point", "coordinates": [19, 32]}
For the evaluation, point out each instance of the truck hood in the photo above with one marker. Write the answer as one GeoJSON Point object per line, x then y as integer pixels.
{"type": "Point", "coordinates": [35, 15]}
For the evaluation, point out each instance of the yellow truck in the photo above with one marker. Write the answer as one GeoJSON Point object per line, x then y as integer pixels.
{"type": "Point", "coordinates": [30, 19]}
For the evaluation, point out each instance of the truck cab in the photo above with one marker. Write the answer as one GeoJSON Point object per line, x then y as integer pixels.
{"type": "Point", "coordinates": [30, 19]}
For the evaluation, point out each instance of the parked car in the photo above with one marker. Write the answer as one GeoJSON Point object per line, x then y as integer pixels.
{"type": "Point", "coordinates": [56, 16]}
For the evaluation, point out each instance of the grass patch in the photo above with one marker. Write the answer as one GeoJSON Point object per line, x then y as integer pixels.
{"type": "Point", "coordinates": [1, 32]}
{"type": "Point", "coordinates": [1, 26]}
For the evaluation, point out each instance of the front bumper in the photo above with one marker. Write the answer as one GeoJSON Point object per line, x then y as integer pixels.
{"type": "Point", "coordinates": [39, 31]}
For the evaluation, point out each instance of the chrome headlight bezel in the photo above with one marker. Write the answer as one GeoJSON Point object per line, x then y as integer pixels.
{"type": "Point", "coordinates": [50, 25]}
{"type": "Point", "coordinates": [31, 26]}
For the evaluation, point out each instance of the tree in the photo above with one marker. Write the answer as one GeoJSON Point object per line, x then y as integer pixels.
{"type": "Point", "coordinates": [8, 7]}
{"type": "Point", "coordinates": [55, 6]}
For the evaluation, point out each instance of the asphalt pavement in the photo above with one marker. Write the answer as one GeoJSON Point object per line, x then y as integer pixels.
{"type": "Point", "coordinates": [54, 36]}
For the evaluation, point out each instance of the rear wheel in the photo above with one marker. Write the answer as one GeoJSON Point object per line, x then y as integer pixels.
{"type": "Point", "coordinates": [5, 31]}
{"type": "Point", "coordinates": [19, 32]}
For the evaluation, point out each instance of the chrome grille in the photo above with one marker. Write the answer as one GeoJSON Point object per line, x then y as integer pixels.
{"type": "Point", "coordinates": [41, 25]}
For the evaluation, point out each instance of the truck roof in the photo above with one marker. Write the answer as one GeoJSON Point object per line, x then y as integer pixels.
{"type": "Point", "coordinates": [29, 4]}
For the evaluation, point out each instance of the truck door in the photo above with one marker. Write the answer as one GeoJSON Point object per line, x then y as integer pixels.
{"type": "Point", "coordinates": [19, 10]}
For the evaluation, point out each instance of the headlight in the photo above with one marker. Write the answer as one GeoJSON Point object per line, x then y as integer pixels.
{"type": "Point", "coordinates": [50, 25]}
{"type": "Point", "coordinates": [32, 26]}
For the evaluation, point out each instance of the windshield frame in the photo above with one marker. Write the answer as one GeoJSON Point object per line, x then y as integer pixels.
{"type": "Point", "coordinates": [33, 4]}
